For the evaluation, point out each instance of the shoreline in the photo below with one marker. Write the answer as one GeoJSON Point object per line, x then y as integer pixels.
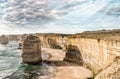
{"type": "Point", "coordinates": [65, 70]}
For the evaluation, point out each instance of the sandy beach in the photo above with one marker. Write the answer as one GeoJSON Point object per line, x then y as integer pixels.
{"type": "Point", "coordinates": [65, 70]}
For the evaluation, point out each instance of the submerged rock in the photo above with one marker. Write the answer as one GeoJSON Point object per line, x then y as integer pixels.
{"type": "Point", "coordinates": [31, 50]}
{"type": "Point", "coordinates": [28, 72]}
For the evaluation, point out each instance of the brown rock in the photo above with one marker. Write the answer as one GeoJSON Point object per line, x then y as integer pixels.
{"type": "Point", "coordinates": [73, 55]}
{"type": "Point", "coordinates": [31, 50]}
{"type": "Point", "coordinates": [3, 39]}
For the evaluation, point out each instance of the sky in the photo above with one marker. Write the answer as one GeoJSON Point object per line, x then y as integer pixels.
{"type": "Point", "coordinates": [58, 16]}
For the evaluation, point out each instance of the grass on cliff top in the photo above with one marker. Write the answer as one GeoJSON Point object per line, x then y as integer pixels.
{"type": "Point", "coordinates": [112, 35]}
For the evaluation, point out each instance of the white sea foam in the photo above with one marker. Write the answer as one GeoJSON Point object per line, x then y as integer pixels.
{"type": "Point", "coordinates": [9, 59]}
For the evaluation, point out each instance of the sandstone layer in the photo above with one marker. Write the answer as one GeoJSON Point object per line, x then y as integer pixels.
{"type": "Point", "coordinates": [98, 49]}
{"type": "Point", "coordinates": [31, 50]}
{"type": "Point", "coordinates": [112, 71]}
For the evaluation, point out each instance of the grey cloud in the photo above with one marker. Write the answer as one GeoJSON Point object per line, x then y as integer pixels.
{"type": "Point", "coordinates": [35, 11]}
{"type": "Point", "coordinates": [112, 9]}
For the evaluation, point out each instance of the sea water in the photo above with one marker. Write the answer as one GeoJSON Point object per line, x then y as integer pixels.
{"type": "Point", "coordinates": [11, 67]}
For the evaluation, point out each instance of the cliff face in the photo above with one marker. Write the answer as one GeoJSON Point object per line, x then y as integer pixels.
{"type": "Point", "coordinates": [16, 37]}
{"type": "Point", "coordinates": [112, 71]}
{"type": "Point", "coordinates": [53, 40]}
{"type": "Point", "coordinates": [97, 49]}
{"type": "Point", "coordinates": [98, 54]}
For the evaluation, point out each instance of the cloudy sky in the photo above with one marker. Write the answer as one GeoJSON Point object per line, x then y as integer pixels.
{"type": "Point", "coordinates": [58, 16]}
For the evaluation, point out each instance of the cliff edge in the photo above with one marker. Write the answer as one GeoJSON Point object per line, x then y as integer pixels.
{"type": "Point", "coordinates": [112, 71]}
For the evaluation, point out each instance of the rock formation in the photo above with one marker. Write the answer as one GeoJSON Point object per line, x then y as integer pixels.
{"type": "Point", "coordinates": [98, 48]}
{"type": "Point", "coordinates": [20, 46]}
{"type": "Point", "coordinates": [4, 39]}
{"type": "Point", "coordinates": [53, 44]}
{"type": "Point", "coordinates": [112, 71]}
{"type": "Point", "coordinates": [31, 50]}
{"type": "Point", "coordinates": [73, 55]}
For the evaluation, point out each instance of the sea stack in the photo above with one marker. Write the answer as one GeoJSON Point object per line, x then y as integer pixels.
{"type": "Point", "coordinates": [3, 39]}
{"type": "Point", "coordinates": [73, 55]}
{"type": "Point", "coordinates": [31, 50]}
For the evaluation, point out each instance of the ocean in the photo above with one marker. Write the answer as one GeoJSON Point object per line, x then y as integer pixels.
{"type": "Point", "coordinates": [11, 67]}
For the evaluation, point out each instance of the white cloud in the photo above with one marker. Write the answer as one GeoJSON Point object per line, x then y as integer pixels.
{"type": "Point", "coordinates": [36, 11]}
{"type": "Point", "coordinates": [60, 15]}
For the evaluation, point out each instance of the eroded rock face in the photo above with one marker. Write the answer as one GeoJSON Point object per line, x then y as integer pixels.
{"type": "Point", "coordinates": [73, 55]}
{"type": "Point", "coordinates": [53, 44]}
{"type": "Point", "coordinates": [31, 50]}
{"type": "Point", "coordinates": [3, 39]}
{"type": "Point", "coordinates": [111, 72]}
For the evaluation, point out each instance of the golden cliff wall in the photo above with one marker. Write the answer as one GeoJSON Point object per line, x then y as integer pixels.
{"type": "Point", "coordinates": [46, 39]}
{"type": "Point", "coordinates": [111, 72]}
{"type": "Point", "coordinates": [98, 54]}
{"type": "Point", "coordinates": [98, 49]}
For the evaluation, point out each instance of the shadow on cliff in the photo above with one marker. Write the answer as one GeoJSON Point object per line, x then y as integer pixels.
{"type": "Point", "coordinates": [53, 44]}
{"type": "Point", "coordinates": [72, 57]}
{"type": "Point", "coordinates": [60, 63]}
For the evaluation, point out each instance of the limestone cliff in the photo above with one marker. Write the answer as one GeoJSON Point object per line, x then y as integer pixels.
{"type": "Point", "coordinates": [98, 49]}
{"type": "Point", "coordinates": [58, 41]}
{"type": "Point", "coordinates": [97, 54]}
{"type": "Point", "coordinates": [112, 71]}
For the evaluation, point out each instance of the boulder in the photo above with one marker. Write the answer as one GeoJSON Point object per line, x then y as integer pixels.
{"type": "Point", "coordinates": [73, 55]}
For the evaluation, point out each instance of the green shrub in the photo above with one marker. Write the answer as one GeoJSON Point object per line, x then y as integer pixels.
{"type": "Point", "coordinates": [55, 46]}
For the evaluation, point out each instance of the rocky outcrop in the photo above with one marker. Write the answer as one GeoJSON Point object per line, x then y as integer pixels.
{"type": "Point", "coordinates": [53, 44]}
{"type": "Point", "coordinates": [112, 71]}
{"type": "Point", "coordinates": [3, 39]}
{"type": "Point", "coordinates": [98, 49]}
{"type": "Point", "coordinates": [57, 41]}
{"type": "Point", "coordinates": [31, 50]}
{"type": "Point", "coordinates": [97, 54]}
{"type": "Point", "coordinates": [73, 55]}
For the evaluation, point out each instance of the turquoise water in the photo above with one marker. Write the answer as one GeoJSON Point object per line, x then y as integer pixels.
{"type": "Point", "coordinates": [11, 67]}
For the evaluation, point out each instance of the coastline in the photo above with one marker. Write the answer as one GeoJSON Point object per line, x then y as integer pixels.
{"type": "Point", "coordinates": [65, 70]}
